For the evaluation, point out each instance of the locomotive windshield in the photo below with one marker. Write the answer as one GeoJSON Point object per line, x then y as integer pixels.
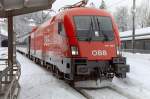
{"type": "Point", "coordinates": [94, 28]}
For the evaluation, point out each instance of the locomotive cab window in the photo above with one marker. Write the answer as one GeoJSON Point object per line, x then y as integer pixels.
{"type": "Point", "coordinates": [95, 28]}
{"type": "Point", "coordinates": [61, 29]}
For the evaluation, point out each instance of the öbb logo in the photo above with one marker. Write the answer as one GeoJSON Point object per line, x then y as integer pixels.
{"type": "Point", "coordinates": [99, 53]}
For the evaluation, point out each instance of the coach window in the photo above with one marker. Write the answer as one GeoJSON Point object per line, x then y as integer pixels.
{"type": "Point", "coordinates": [61, 29]}
{"type": "Point", "coordinates": [139, 44]}
{"type": "Point", "coordinates": [147, 44]}
{"type": "Point", "coordinates": [128, 44]}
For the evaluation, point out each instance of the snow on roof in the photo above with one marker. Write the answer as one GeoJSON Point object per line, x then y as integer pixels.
{"type": "Point", "coordinates": [137, 32]}
{"type": "Point", "coordinates": [137, 38]}
{"type": "Point", "coordinates": [3, 32]}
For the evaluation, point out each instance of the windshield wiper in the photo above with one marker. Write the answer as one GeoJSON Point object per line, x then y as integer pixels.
{"type": "Point", "coordinates": [105, 36]}
{"type": "Point", "coordinates": [90, 31]}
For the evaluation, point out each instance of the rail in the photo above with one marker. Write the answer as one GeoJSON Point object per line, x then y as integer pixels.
{"type": "Point", "coordinates": [112, 87]}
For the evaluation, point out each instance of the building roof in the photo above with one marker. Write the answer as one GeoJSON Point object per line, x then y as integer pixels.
{"type": "Point", "coordinates": [1, 35]}
{"type": "Point", "coordinates": [143, 33]}
{"type": "Point", "coordinates": [3, 32]}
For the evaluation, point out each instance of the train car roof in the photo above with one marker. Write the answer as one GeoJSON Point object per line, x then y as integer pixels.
{"type": "Point", "coordinates": [85, 11]}
{"type": "Point", "coordinates": [75, 12]}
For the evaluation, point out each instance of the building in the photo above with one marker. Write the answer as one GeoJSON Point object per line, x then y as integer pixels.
{"type": "Point", "coordinates": [142, 40]}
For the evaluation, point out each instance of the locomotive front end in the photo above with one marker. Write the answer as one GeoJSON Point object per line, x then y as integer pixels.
{"type": "Point", "coordinates": [94, 55]}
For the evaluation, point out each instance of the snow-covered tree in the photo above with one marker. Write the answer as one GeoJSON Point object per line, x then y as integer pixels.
{"type": "Point", "coordinates": [143, 14]}
{"type": "Point", "coordinates": [92, 5]}
{"type": "Point", "coordinates": [148, 20]}
{"type": "Point", "coordinates": [103, 5]}
{"type": "Point", "coordinates": [122, 18]}
{"type": "Point", "coordinates": [22, 23]}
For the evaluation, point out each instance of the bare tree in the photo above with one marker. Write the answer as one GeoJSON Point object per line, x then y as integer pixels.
{"type": "Point", "coordinates": [22, 23]}
{"type": "Point", "coordinates": [103, 5]}
{"type": "Point", "coordinates": [143, 14]}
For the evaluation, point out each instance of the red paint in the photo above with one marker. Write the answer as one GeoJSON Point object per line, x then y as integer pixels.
{"type": "Point", "coordinates": [46, 38]}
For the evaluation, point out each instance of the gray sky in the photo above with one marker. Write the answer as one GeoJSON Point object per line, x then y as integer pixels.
{"type": "Point", "coordinates": [111, 4]}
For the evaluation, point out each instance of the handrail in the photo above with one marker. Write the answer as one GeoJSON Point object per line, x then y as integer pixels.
{"type": "Point", "coordinates": [10, 86]}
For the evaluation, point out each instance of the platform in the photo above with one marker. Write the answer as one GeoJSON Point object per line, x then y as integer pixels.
{"type": "Point", "coordinates": [38, 83]}
{"type": "Point", "coordinates": [9, 76]}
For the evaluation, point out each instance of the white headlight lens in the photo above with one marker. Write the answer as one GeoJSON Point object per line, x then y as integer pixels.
{"type": "Point", "coordinates": [74, 50]}
{"type": "Point", "coordinates": [118, 50]}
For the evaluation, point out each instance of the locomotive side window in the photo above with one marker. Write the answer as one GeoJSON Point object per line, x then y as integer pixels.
{"type": "Point", "coordinates": [95, 28]}
{"type": "Point", "coordinates": [61, 29]}
{"type": "Point", "coordinates": [147, 43]}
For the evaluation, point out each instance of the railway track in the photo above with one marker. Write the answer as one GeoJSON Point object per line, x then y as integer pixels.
{"type": "Point", "coordinates": [86, 92]}
{"type": "Point", "coordinates": [124, 92]}
{"type": "Point", "coordinates": [83, 93]}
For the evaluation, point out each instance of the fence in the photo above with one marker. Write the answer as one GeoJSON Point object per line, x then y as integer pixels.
{"type": "Point", "coordinates": [9, 76]}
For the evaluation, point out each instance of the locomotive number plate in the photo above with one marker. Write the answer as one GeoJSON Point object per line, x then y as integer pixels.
{"type": "Point", "coordinates": [99, 53]}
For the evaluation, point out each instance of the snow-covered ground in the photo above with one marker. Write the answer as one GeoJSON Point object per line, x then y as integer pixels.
{"type": "Point", "coordinates": [138, 80]}
{"type": "Point", "coordinates": [3, 52]}
{"type": "Point", "coordinates": [3, 55]}
{"type": "Point", "coordinates": [135, 86]}
{"type": "Point", "coordinates": [140, 69]}
{"type": "Point", "coordinates": [38, 83]}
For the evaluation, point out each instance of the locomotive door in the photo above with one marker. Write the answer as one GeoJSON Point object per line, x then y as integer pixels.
{"type": "Point", "coordinates": [43, 47]}
{"type": "Point", "coordinates": [45, 44]}
{"type": "Point", "coordinates": [34, 46]}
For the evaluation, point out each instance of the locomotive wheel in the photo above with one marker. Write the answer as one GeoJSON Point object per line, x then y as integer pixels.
{"type": "Point", "coordinates": [70, 82]}
{"type": "Point", "coordinates": [42, 62]}
{"type": "Point", "coordinates": [47, 66]}
{"type": "Point", "coordinates": [34, 59]}
{"type": "Point", "coordinates": [59, 75]}
{"type": "Point", "coordinates": [50, 67]}
{"type": "Point", "coordinates": [31, 58]}
{"type": "Point", "coordinates": [39, 62]}
{"type": "Point", "coordinates": [54, 70]}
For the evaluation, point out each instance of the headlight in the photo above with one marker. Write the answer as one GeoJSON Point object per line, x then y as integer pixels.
{"type": "Point", "coordinates": [119, 52]}
{"type": "Point", "coordinates": [74, 50]}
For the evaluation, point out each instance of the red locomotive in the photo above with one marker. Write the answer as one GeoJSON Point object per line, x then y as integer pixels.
{"type": "Point", "coordinates": [78, 44]}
